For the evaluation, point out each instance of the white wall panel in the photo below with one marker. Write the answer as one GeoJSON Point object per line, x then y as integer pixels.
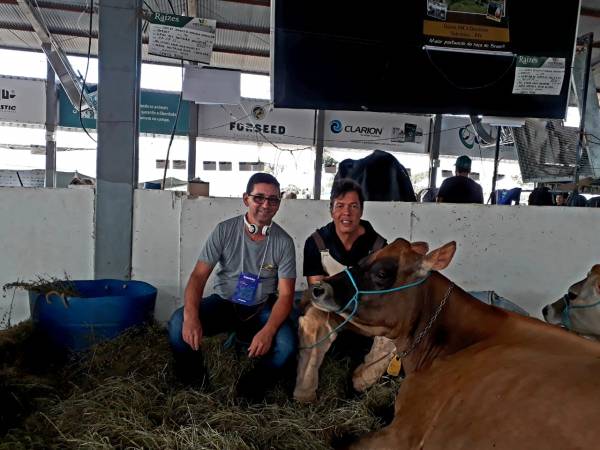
{"type": "Point", "coordinates": [198, 218]}
{"type": "Point", "coordinates": [155, 258]}
{"type": "Point", "coordinates": [390, 219]}
{"type": "Point", "coordinates": [45, 232]}
{"type": "Point", "coordinates": [529, 255]}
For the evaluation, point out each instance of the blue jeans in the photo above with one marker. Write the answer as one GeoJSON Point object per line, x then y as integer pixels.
{"type": "Point", "coordinates": [222, 316]}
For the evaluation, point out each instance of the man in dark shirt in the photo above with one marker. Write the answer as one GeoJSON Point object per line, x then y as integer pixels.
{"type": "Point", "coordinates": [460, 188]}
{"type": "Point", "coordinates": [329, 250]}
{"type": "Point", "coordinates": [336, 247]}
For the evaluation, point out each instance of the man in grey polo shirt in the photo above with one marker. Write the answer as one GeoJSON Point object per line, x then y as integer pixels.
{"type": "Point", "coordinates": [254, 290]}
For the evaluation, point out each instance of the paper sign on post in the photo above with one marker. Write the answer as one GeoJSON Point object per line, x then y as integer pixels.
{"type": "Point", "coordinates": [182, 37]}
{"type": "Point", "coordinates": [538, 75]}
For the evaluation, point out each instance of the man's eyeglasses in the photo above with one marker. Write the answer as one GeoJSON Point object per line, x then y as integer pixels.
{"type": "Point", "coordinates": [260, 199]}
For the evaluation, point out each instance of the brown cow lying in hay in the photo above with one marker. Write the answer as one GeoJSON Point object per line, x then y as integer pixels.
{"type": "Point", "coordinates": [317, 333]}
{"type": "Point", "coordinates": [477, 376]}
{"type": "Point", "coordinates": [579, 310]}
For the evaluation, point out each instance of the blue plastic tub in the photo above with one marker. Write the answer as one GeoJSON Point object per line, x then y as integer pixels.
{"type": "Point", "coordinates": [151, 185]}
{"type": "Point", "coordinates": [104, 309]}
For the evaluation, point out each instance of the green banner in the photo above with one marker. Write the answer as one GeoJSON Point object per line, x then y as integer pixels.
{"type": "Point", "coordinates": [170, 19]}
{"type": "Point", "coordinates": [157, 113]}
{"type": "Point", "coordinates": [530, 61]}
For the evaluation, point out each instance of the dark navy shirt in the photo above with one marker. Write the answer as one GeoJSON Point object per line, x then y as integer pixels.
{"type": "Point", "coordinates": [460, 189]}
{"type": "Point", "coordinates": [361, 248]}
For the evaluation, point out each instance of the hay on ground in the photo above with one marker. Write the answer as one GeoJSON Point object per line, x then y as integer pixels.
{"type": "Point", "coordinates": [123, 394]}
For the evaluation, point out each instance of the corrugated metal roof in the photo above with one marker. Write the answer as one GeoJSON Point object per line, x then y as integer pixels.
{"type": "Point", "coordinates": [242, 40]}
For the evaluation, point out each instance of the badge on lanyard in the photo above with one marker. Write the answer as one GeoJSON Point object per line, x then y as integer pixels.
{"type": "Point", "coordinates": [245, 291]}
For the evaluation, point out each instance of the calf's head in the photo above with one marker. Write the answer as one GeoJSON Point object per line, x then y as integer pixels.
{"type": "Point", "coordinates": [400, 264]}
{"type": "Point", "coordinates": [579, 309]}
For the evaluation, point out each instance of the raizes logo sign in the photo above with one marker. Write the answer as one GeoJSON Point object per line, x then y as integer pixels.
{"type": "Point", "coordinates": [336, 126]}
{"type": "Point", "coordinates": [6, 95]}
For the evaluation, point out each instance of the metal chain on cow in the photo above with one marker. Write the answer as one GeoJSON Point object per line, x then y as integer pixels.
{"type": "Point", "coordinates": [427, 328]}
{"type": "Point", "coordinates": [422, 334]}
{"type": "Point", "coordinates": [354, 302]}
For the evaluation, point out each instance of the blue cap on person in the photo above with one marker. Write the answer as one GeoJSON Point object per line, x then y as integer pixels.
{"type": "Point", "coordinates": [463, 163]}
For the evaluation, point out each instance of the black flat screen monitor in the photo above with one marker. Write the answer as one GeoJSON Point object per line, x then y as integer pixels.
{"type": "Point", "coordinates": [417, 56]}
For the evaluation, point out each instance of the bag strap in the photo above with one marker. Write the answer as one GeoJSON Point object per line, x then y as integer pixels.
{"type": "Point", "coordinates": [319, 241]}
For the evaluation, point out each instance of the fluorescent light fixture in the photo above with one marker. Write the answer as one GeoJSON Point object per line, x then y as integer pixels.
{"type": "Point", "coordinates": [515, 122]}
{"type": "Point", "coordinates": [70, 81]}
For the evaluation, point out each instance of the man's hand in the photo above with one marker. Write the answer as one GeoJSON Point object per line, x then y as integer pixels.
{"type": "Point", "coordinates": [261, 343]}
{"type": "Point", "coordinates": [192, 333]}
{"type": "Point", "coordinates": [192, 327]}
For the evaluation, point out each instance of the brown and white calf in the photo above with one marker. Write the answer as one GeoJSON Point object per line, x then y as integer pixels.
{"type": "Point", "coordinates": [316, 334]}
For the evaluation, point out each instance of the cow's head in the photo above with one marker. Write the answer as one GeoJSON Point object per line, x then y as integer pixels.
{"type": "Point", "coordinates": [579, 309]}
{"type": "Point", "coordinates": [399, 264]}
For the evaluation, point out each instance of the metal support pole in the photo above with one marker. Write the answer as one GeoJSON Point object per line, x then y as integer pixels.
{"type": "Point", "coordinates": [51, 122]}
{"type": "Point", "coordinates": [588, 40]}
{"type": "Point", "coordinates": [119, 65]}
{"type": "Point", "coordinates": [434, 150]}
{"type": "Point", "coordinates": [496, 159]}
{"type": "Point", "coordinates": [192, 135]}
{"type": "Point", "coordinates": [192, 9]}
{"type": "Point", "coordinates": [319, 140]}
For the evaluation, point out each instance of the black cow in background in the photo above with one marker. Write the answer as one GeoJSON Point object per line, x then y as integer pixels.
{"type": "Point", "coordinates": [381, 177]}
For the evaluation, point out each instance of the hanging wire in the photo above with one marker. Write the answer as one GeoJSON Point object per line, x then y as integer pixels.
{"type": "Point", "coordinates": [175, 121]}
{"type": "Point", "coordinates": [87, 66]}
{"type": "Point", "coordinates": [470, 88]}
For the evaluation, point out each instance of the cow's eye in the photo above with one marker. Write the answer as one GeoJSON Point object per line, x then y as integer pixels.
{"type": "Point", "coordinates": [381, 274]}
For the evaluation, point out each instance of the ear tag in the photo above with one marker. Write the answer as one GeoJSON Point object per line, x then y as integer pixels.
{"type": "Point", "coordinates": [394, 366]}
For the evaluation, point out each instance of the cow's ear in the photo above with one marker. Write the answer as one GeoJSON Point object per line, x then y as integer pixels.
{"type": "Point", "coordinates": [575, 289]}
{"type": "Point", "coordinates": [439, 258]}
{"type": "Point", "coordinates": [420, 247]}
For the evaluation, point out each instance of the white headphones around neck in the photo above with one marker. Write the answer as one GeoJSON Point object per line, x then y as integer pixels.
{"type": "Point", "coordinates": [253, 229]}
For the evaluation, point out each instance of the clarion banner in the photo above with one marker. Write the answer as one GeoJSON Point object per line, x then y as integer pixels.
{"type": "Point", "coordinates": [383, 131]}
{"type": "Point", "coordinates": [22, 100]}
{"type": "Point", "coordinates": [258, 121]}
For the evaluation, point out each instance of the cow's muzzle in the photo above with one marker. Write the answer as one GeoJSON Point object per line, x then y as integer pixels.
{"type": "Point", "coordinates": [322, 296]}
